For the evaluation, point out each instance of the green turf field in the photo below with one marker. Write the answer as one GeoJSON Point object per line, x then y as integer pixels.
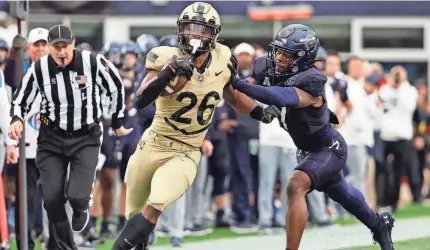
{"type": "Point", "coordinates": [410, 211]}
{"type": "Point", "coordinates": [417, 244]}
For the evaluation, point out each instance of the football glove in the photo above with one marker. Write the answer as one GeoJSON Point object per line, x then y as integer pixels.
{"type": "Point", "coordinates": [269, 113]}
{"type": "Point", "coordinates": [182, 66]}
{"type": "Point", "coordinates": [234, 77]}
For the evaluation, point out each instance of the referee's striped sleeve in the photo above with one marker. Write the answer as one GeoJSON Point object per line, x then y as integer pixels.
{"type": "Point", "coordinates": [24, 95]}
{"type": "Point", "coordinates": [111, 81]}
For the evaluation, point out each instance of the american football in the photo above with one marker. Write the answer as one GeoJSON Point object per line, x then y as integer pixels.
{"type": "Point", "coordinates": [174, 86]}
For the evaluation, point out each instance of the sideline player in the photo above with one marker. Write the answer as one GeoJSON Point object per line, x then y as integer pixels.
{"type": "Point", "coordinates": [166, 159]}
{"type": "Point", "coordinates": [322, 152]}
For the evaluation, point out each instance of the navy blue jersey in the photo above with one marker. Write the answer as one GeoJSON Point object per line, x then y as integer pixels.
{"type": "Point", "coordinates": [309, 127]}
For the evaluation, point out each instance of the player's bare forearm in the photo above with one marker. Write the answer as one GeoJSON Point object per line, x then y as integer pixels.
{"type": "Point", "coordinates": [278, 96]}
{"type": "Point", "coordinates": [239, 101]}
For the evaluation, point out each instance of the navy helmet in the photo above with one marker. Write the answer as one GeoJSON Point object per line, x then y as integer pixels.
{"type": "Point", "coordinates": [130, 47]}
{"type": "Point", "coordinates": [112, 52]}
{"type": "Point", "coordinates": [169, 40]}
{"type": "Point", "coordinates": [299, 46]}
{"type": "Point", "coordinates": [146, 42]}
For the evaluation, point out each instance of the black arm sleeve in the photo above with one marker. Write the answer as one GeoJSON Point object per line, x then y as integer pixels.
{"type": "Point", "coordinates": [151, 93]}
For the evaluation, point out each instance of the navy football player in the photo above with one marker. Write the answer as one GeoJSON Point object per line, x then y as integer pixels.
{"type": "Point", "coordinates": [300, 99]}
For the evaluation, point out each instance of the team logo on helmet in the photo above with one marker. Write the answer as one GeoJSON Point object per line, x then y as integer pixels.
{"type": "Point", "coordinates": [310, 41]}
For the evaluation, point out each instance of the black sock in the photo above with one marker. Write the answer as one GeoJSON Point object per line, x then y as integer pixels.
{"type": "Point", "coordinates": [219, 214]}
{"type": "Point", "coordinates": [121, 223]}
{"type": "Point", "coordinates": [135, 231]}
{"type": "Point", "coordinates": [105, 226]}
{"type": "Point", "coordinates": [94, 220]}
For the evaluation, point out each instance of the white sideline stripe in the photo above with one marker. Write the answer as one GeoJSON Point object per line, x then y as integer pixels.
{"type": "Point", "coordinates": [317, 238]}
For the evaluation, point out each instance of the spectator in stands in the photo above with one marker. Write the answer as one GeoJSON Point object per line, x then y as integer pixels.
{"type": "Point", "coordinates": [355, 127]}
{"type": "Point", "coordinates": [243, 129]}
{"type": "Point", "coordinates": [421, 139]}
{"type": "Point", "coordinates": [4, 51]}
{"type": "Point", "coordinates": [36, 47]}
{"type": "Point", "coordinates": [219, 163]}
{"type": "Point", "coordinates": [277, 152]}
{"type": "Point", "coordinates": [336, 79]}
{"type": "Point", "coordinates": [399, 101]}
{"type": "Point", "coordinates": [372, 140]}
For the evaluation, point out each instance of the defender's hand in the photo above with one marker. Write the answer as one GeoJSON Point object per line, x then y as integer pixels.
{"type": "Point", "coordinates": [15, 130]}
{"type": "Point", "coordinates": [269, 113]}
{"type": "Point", "coordinates": [207, 148]}
{"type": "Point", "coordinates": [12, 154]}
{"type": "Point", "coordinates": [234, 77]}
{"type": "Point", "coordinates": [182, 66]}
{"type": "Point", "coordinates": [123, 131]}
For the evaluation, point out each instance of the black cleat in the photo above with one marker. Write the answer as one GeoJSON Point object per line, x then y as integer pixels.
{"type": "Point", "coordinates": [383, 236]}
{"type": "Point", "coordinates": [80, 220]}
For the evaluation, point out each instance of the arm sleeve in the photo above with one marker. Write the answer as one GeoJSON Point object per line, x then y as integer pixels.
{"type": "Point", "coordinates": [278, 96]}
{"type": "Point", "coordinates": [110, 80]}
{"type": "Point", "coordinates": [24, 95]}
{"type": "Point", "coordinates": [155, 60]}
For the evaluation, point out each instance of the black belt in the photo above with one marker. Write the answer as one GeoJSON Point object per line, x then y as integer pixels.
{"type": "Point", "coordinates": [89, 129]}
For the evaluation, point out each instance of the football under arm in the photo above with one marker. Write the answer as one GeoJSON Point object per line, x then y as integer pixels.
{"type": "Point", "coordinates": [278, 96]}
{"type": "Point", "coordinates": [152, 85]}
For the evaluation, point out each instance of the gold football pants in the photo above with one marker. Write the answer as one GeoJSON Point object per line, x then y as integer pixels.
{"type": "Point", "coordinates": [159, 172]}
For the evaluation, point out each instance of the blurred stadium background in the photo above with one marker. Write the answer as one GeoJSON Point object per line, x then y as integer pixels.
{"type": "Point", "coordinates": [389, 33]}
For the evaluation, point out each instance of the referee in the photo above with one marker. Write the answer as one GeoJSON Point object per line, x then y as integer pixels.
{"type": "Point", "coordinates": [71, 84]}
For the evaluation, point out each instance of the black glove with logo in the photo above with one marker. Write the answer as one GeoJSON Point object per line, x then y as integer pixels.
{"type": "Point", "coordinates": [182, 66]}
{"type": "Point", "coordinates": [234, 77]}
{"type": "Point", "coordinates": [265, 115]}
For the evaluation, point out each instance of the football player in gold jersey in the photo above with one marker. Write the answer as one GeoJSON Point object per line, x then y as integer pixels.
{"type": "Point", "coordinates": [165, 162]}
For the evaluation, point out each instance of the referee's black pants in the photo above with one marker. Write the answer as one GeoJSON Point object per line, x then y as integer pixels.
{"type": "Point", "coordinates": [32, 201]}
{"type": "Point", "coordinates": [56, 150]}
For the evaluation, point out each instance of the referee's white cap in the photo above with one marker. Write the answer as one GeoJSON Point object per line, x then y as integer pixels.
{"type": "Point", "coordinates": [37, 34]}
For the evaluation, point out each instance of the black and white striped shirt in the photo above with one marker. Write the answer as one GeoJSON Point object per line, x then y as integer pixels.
{"type": "Point", "coordinates": [71, 96]}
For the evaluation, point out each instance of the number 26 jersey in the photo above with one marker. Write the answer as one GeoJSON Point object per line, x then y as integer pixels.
{"type": "Point", "coordinates": [187, 114]}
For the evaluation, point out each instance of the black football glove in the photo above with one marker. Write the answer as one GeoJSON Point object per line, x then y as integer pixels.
{"type": "Point", "coordinates": [182, 66]}
{"type": "Point", "coordinates": [234, 77]}
{"type": "Point", "coordinates": [269, 113]}
{"type": "Point", "coordinates": [265, 115]}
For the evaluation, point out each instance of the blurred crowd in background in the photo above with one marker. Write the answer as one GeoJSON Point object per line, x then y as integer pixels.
{"type": "Point", "coordinates": [384, 117]}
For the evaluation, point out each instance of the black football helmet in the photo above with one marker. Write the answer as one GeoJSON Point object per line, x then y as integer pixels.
{"type": "Point", "coordinates": [294, 49]}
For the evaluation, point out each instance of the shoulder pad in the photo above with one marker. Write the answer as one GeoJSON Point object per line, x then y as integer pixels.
{"type": "Point", "coordinates": [222, 51]}
{"type": "Point", "coordinates": [312, 82]}
{"type": "Point", "coordinates": [159, 56]}
{"type": "Point", "coordinates": [259, 69]}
